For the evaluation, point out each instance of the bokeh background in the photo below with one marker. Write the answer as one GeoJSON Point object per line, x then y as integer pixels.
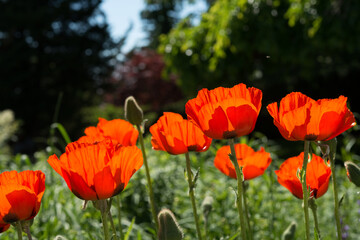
{"type": "Point", "coordinates": [72, 61]}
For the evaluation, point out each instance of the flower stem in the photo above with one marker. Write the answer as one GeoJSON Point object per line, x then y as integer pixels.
{"type": "Point", "coordinates": [239, 177]}
{"type": "Point", "coordinates": [103, 210]}
{"type": "Point", "coordinates": [19, 230]}
{"type": "Point", "coordinates": [112, 226]}
{"type": "Point", "coordinates": [247, 212]}
{"type": "Point", "coordinates": [191, 194]}
{"type": "Point", "coordinates": [332, 154]}
{"type": "Point", "coordinates": [206, 229]}
{"type": "Point", "coordinates": [313, 208]}
{"type": "Point", "coordinates": [151, 194]}
{"type": "Point", "coordinates": [304, 188]}
{"type": "Point", "coordinates": [119, 216]}
{"type": "Point", "coordinates": [25, 226]}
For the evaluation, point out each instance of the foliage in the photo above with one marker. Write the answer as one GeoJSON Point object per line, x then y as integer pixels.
{"type": "Point", "coordinates": [277, 46]}
{"type": "Point", "coordinates": [51, 48]}
{"type": "Point", "coordinates": [160, 16]}
{"type": "Point", "coordinates": [140, 76]}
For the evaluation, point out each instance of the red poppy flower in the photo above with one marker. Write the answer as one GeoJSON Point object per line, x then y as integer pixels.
{"type": "Point", "coordinates": [253, 163]}
{"type": "Point", "coordinates": [302, 118]}
{"type": "Point", "coordinates": [99, 170]}
{"type": "Point", "coordinates": [224, 113]}
{"type": "Point", "coordinates": [317, 175]}
{"type": "Point", "coordinates": [20, 196]}
{"type": "Point", "coordinates": [175, 135]}
{"type": "Point", "coordinates": [118, 130]}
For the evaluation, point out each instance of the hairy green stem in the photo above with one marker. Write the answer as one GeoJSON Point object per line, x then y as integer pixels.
{"type": "Point", "coordinates": [304, 188]}
{"type": "Point", "coordinates": [19, 230]}
{"type": "Point", "coordinates": [27, 231]}
{"type": "Point", "coordinates": [313, 208]}
{"type": "Point", "coordinates": [247, 213]}
{"type": "Point", "coordinates": [206, 230]}
{"type": "Point", "coordinates": [112, 226]}
{"type": "Point", "coordinates": [335, 189]}
{"type": "Point", "coordinates": [103, 210]}
{"type": "Point", "coordinates": [191, 194]}
{"type": "Point", "coordinates": [151, 194]}
{"type": "Point", "coordinates": [119, 216]}
{"type": "Point", "coordinates": [239, 177]}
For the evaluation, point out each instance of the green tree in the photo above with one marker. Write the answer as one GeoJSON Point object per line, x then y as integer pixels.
{"type": "Point", "coordinates": [52, 47]}
{"type": "Point", "coordinates": [278, 46]}
{"type": "Point", "coordinates": [159, 17]}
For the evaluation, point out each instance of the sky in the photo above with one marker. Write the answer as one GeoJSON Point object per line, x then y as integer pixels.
{"type": "Point", "coordinates": [121, 13]}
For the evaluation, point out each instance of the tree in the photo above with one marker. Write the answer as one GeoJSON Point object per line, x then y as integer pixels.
{"type": "Point", "coordinates": [160, 16]}
{"type": "Point", "coordinates": [277, 46]}
{"type": "Point", "coordinates": [141, 76]}
{"type": "Point", "coordinates": [47, 48]}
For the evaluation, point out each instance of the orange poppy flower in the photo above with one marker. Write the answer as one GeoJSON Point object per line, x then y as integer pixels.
{"type": "Point", "coordinates": [224, 113]}
{"type": "Point", "coordinates": [99, 170]}
{"type": "Point", "coordinates": [253, 163]}
{"type": "Point", "coordinates": [175, 135]}
{"type": "Point", "coordinates": [302, 118]}
{"type": "Point", "coordinates": [118, 130]}
{"type": "Point", "coordinates": [317, 175]}
{"type": "Point", "coordinates": [20, 196]}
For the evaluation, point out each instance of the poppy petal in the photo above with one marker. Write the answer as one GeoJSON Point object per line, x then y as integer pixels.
{"type": "Point", "coordinates": [104, 183]}
{"type": "Point", "coordinates": [317, 175]}
{"type": "Point", "coordinates": [242, 118]}
{"type": "Point", "coordinates": [302, 118]}
{"type": "Point", "coordinates": [175, 135]}
{"type": "Point", "coordinates": [253, 163]}
{"type": "Point", "coordinates": [210, 111]}
{"type": "Point", "coordinates": [95, 171]}
{"type": "Point", "coordinates": [217, 125]}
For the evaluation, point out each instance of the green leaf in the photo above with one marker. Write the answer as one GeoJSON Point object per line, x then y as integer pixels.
{"type": "Point", "coordinates": [62, 131]}
{"type": "Point", "coordinates": [127, 234]}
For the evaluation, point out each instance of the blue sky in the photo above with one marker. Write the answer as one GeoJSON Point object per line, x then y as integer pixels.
{"type": "Point", "coordinates": [121, 13]}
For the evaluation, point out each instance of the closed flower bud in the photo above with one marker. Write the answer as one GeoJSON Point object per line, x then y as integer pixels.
{"type": "Point", "coordinates": [289, 233]}
{"type": "Point", "coordinates": [353, 172]}
{"type": "Point", "coordinates": [169, 228]}
{"type": "Point", "coordinates": [206, 206]}
{"type": "Point", "coordinates": [133, 112]}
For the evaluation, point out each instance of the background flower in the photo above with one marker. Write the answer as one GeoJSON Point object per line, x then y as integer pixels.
{"type": "Point", "coordinates": [20, 196]}
{"type": "Point", "coordinates": [118, 130]}
{"type": "Point", "coordinates": [175, 135]}
{"type": "Point", "coordinates": [253, 163]}
{"type": "Point", "coordinates": [317, 175]}
{"type": "Point", "coordinates": [224, 113]}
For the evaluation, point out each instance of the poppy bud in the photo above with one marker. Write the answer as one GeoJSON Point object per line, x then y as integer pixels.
{"type": "Point", "coordinates": [353, 172]}
{"type": "Point", "coordinates": [206, 206]}
{"type": "Point", "coordinates": [168, 226]}
{"type": "Point", "coordinates": [133, 112]}
{"type": "Point", "coordinates": [289, 233]}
